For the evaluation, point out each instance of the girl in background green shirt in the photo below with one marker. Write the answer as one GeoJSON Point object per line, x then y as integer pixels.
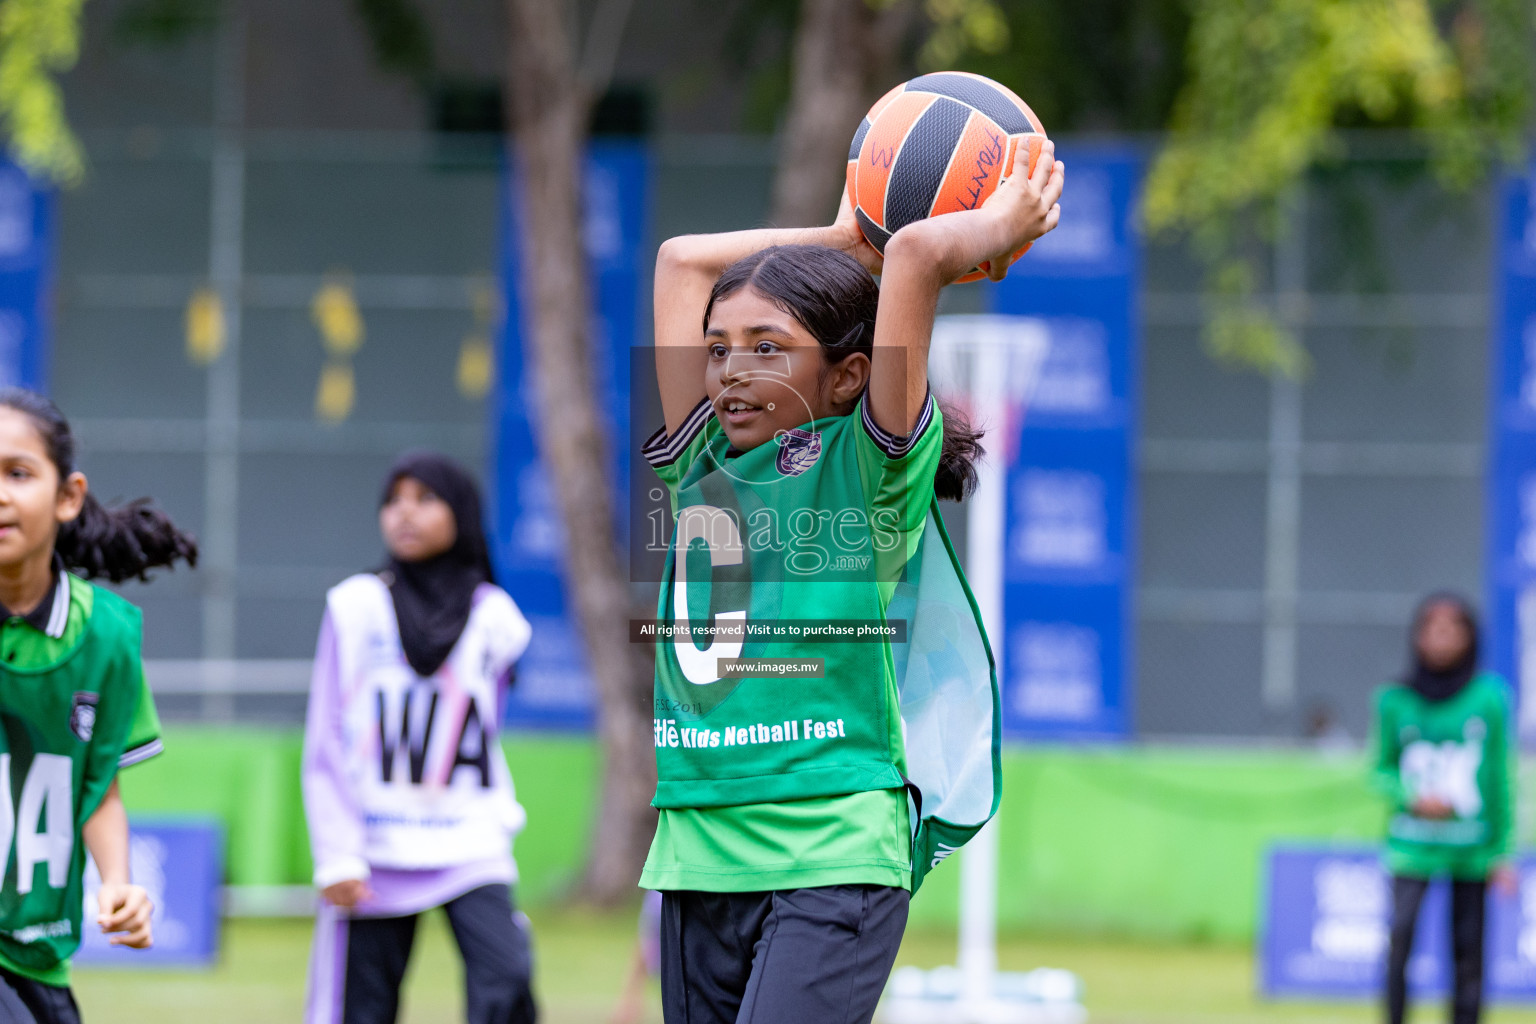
{"type": "Point", "coordinates": [1442, 750]}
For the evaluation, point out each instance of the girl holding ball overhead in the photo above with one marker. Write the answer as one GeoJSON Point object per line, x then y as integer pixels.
{"type": "Point", "coordinates": [796, 818]}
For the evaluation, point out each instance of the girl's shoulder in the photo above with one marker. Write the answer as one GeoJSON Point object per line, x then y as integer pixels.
{"type": "Point", "coordinates": [357, 585]}
{"type": "Point", "coordinates": [491, 600]}
{"type": "Point", "coordinates": [364, 593]}
{"type": "Point", "coordinates": [1494, 685]}
{"type": "Point", "coordinates": [86, 600]}
{"type": "Point", "coordinates": [499, 624]}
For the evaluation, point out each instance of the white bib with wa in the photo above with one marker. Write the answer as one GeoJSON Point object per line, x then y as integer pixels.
{"type": "Point", "coordinates": [424, 755]}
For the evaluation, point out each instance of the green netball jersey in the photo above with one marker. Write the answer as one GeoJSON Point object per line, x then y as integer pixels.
{"type": "Point", "coordinates": [768, 782]}
{"type": "Point", "coordinates": [1459, 750]}
{"type": "Point", "coordinates": [74, 708]}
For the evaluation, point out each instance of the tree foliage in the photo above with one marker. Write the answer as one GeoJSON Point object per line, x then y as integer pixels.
{"type": "Point", "coordinates": [38, 40]}
{"type": "Point", "coordinates": [1269, 85]}
{"type": "Point", "coordinates": [956, 27]}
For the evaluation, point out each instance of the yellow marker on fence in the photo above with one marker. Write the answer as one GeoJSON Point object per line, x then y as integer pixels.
{"type": "Point", "coordinates": [475, 367]}
{"type": "Point", "coordinates": [205, 326]}
{"type": "Point", "coordinates": [334, 311]}
{"type": "Point", "coordinates": [337, 392]}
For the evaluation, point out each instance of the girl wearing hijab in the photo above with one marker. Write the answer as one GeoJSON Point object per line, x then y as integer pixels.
{"type": "Point", "coordinates": [409, 800]}
{"type": "Point", "coordinates": [1442, 749]}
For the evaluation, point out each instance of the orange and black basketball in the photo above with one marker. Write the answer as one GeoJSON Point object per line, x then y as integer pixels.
{"type": "Point", "coordinates": [934, 145]}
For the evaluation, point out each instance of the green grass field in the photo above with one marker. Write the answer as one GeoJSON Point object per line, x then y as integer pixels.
{"type": "Point", "coordinates": [581, 960]}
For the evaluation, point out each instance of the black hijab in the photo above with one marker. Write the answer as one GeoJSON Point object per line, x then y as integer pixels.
{"type": "Point", "coordinates": [1445, 683]}
{"type": "Point", "coordinates": [433, 598]}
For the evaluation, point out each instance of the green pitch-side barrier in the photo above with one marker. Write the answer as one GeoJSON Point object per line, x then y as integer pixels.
{"type": "Point", "coordinates": [1129, 841]}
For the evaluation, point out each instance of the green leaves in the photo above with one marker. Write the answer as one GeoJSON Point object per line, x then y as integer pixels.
{"type": "Point", "coordinates": [961, 26]}
{"type": "Point", "coordinates": [39, 39]}
{"type": "Point", "coordinates": [1269, 84]}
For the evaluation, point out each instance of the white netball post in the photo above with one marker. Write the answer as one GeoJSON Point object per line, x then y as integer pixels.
{"type": "Point", "coordinates": [989, 364]}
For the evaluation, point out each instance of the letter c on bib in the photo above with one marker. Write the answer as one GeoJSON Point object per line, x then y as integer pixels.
{"type": "Point", "coordinates": [717, 528]}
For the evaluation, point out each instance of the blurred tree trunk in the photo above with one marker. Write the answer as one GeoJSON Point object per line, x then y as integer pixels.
{"type": "Point", "coordinates": [845, 57]}
{"type": "Point", "coordinates": [549, 107]}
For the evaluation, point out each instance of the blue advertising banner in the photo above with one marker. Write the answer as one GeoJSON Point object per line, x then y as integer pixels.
{"type": "Point", "coordinates": [1069, 556]}
{"type": "Point", "coordinates": [181, 864]}
{"type": "Point", "coordinates": [553, 688]}
{"type": "Point", "coordinates": [26, 277]}
{"type": "Point", "coordinates": [1327, 915]}
{"type": "Point", "coordinates": [1511, 478]}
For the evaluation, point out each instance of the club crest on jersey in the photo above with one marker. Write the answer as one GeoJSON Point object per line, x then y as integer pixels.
{"type": "Point", "coordinates": [798, 450]}
{"type": "Point", "coordinates": [82, 715]}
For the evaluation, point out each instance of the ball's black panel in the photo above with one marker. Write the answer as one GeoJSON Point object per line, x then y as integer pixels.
{"type": "Point", "coordinates": [920, 164]}
{"type": "Point", "coordinates": [877, 235]}
{"type": "Point", "coordinates": [858, 139]}
{"type": "Point", "coordinates": [977, 94]}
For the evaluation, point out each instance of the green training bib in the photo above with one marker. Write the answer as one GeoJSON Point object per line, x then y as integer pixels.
{"type": "Point", "coordinates": [833, 523]}
{"type": "Point", "coordinates": [779, 534]}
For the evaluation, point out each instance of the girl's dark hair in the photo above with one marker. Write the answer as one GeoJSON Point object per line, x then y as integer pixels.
{"type": "Point", "coordinates": [833, 297]}
{"type": "Point", "coordinates": [121, 542]}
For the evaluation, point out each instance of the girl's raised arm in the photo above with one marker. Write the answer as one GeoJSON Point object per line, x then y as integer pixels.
{"type": "Point", "coordinates": [686, 269]}
{"type": "Point", "coordinates": [926, 255]}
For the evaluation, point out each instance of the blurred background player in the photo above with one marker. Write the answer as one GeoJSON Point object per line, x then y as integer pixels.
{"type": "Point", "coordinates": [1442, 750]}
{"type": "Point", "coordinates": [408, 796]}
{"type": "Point", "coordinates": [786, 865]}
{"type": "Point", "coordinates": [75, 702]}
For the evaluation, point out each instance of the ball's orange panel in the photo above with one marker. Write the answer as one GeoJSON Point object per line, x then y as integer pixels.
{"type": "Point", "coordinates": [975, 169]}
{"type": "Point", "coordinates": [886, 134]}
{"type": "Point", "coordinates": [884, 101]}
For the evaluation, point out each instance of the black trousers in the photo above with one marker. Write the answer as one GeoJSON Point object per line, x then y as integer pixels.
{"type": "Point", "coordinates": [498, 964]}
{"type": "Point", "coordinates": [24, 1001]}
{"type": "Point", "coordinates": [796, 956]}
{"type": "Point", "coordinates": [1468, 901]}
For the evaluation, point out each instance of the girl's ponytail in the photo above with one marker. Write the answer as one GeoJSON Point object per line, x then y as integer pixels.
{"type": "Point", "coordinates": [960, 451]}
{"type": "Point", "coordinates": [120, 543]}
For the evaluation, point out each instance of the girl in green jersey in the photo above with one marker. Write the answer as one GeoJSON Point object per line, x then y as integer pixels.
{"type": "Point", "coordinates": [1442, 750]}
{"type": "Point", "coordinates": [74, 707]}
{"type": "Point", "coordinates": [802, 452]}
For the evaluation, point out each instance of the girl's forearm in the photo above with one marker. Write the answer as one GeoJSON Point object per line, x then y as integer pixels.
{"type": "Point", "coordinates": [708, 255]}
{"type": "Point", "coordinates": [106, 836]}
{"type": "Point", "coordinates": [909, 299]}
